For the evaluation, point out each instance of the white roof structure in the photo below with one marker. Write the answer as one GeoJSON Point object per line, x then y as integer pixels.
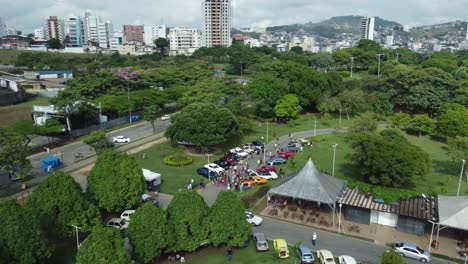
{"type": "Point", "coordinates": [453, 211]}
{"type": "Point", "coordinates": [149, 175]}
{"type": "Point", "coordinates": [311, 185]}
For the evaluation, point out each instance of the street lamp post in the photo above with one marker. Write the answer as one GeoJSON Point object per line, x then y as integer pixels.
{"type": "Point", "coordinates": [461, 174]}
{"type": "Point", "coordinates": [315, 126]}
{"type": "Point", "coordinates": [352, 63]}
{"type": "Point", "coordinates": [334, 155]}
{"type": "Point", "coordinates": [339, 217]}
{"type": "Point", "coordinates": [128, 98]}
{"type": "Point", "coordinates": [77, 240]}
{"type": "Point", "coordinates": [378, 67]}
{"type": "Point", "coordinates": [340, 118]}
{"type": "Point", "coordinates": [264, 146]}
{"type": "Point", "coordinates": [397, 56]}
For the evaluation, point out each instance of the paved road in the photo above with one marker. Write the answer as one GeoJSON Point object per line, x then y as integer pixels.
{"type": "Point", "coordinates": [337, 244]}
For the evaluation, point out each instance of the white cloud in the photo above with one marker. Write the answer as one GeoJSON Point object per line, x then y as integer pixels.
{"type": "Point", "coordinates": [29, 14]}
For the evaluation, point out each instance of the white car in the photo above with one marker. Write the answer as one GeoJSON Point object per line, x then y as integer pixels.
{"type": "Point", "coordinates": [346, 260]}
{"type": "Point", "coordinates": [252, 173]}
{"type": "Point", "coordinates": [269, 175]}
{"type": "Point", "coordinates": [214, 167]}
{"type": "Point", "coordinates": [121, 139]}
{"type": "Point", "coordinates": [248, 149]}
{"type": "Point", "coordinates": [242, 154]}
{"type": "Point", "coordinates": [127, 214]}
{"type": "Point", "coordinates": [165, 117]}
{"type": "Point", "coordinates": [119, 223]}
{"type": "Point", "coordinates": [253, 219]}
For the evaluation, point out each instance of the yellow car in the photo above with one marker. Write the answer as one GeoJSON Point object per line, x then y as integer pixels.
{"type": "Point", "coordinates": [281, 248]}
{"type": "Point", "coordinates": [254, 180]}
{"type": "Point", "coordinates": [325, 256]}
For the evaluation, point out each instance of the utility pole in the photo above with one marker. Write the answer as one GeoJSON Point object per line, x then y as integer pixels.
{"type": "Point", "coordinates": [461, 174]}
{"type": "Point", "coordinates": [334, 154]}
{"type": "Point", "coordinates": [378, 68]}
{"type": "Point", "coordinates": [352, 63]}
{"type": "Point", "coordinates": [397, 56]}
{"type": "Point", "coordinates": [77, 240]}
{"type": "Point", "coordinates": [128, 97]}
{"type": "Point", "coordinates": [315, 126]}
{"type": "Point", "coordinates": [340, 118]}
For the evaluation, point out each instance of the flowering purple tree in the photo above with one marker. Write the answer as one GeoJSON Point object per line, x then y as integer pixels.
{"type": "Point", "coordinates": [127, 74]}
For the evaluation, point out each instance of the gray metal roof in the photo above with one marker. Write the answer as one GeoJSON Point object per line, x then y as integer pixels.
{"type": "Point", "coordinates": [311, 185]}
{"type": "Point", "coordinates": [453, 211]}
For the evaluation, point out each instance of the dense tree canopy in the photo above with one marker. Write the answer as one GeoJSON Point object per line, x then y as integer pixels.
{"type": "Point", "coordinates": [21, 237]}
{"type": "Point", "coordinates": [103, 245]}
{"type": "Point", "coordinates": [288, 106]}
{"type": "Point", "coordinates": [453, 121]}
{"type": "Point", "coordinates": [203, 124]}
{"type": "Point", "coordinates": [231, 228]}
{"type": "Point", "coordinates": [13, 151]}
{"type": "Point", "coordinates": [116, 181]}
{"type": "Point", "coordinates": [187, 213]}
{"type": "Point", "coordinates": [149, 232]}
{"type": "Point", "coordinates": [58, 202]}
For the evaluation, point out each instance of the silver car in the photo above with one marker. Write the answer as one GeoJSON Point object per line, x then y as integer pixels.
{"type": "Point", "coordinates": [261, 243]}
{"type": "Point", "coordinates": [412, 251]}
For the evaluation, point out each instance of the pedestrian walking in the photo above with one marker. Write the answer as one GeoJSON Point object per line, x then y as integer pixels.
{"type": "Point", "coordinates": [314, 239]}
{"type": "Point", "coordinates": [229, 253]}
{"type": "Point", "coordinates": [277, 139]}
{"type": "Point", "coordinates": [156, 203]}
{"type": "Point", "coordinates": [182, 259]}
{"type": "Point", "coordinates": [290, 137]}
{"type": "Point", "coordinates": [302, 148]}
{"type": "Point", "coordinates": [276, 146]}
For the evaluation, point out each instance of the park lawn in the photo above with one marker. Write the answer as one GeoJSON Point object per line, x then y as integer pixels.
{"type": "Point", "coordinates": [12, 113]}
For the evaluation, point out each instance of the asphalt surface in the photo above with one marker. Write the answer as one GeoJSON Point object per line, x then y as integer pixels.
{"type": "Point", "coordinates": [361, 250]}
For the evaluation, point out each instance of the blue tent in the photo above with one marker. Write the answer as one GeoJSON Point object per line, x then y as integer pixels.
{"type": "Point", "coordinates": [51, 161]}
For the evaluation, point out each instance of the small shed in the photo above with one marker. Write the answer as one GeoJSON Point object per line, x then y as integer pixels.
{"type": "Point", "coordinates": [51, 162]}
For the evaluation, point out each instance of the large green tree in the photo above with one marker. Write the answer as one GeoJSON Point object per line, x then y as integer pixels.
{"type": "Point", "coordinates": [116, 181]}
{"type": "Point", "coordinates": [21, 237]}
{"type": "Point", "coordinates": [13, 151]}
{"type": "Point", "coordinates": [152, 112]}
{"type": "Point", "coordinates": [266, 90]}
{"type": "Point", "coordinates": [366, 122]}
{"type": "Point", "coordinates": [187, 213]}
{"type": "Point", "coordinates": [203, 124]}
{"type": "Point", "coordinates": [422, 124]}
{"type": "Point", "coordinates": [103, 245]}
{"type": "Point", "coordinates": [58, 202]}
{"type": "Point", "coordinates": [149, 232]}
{"type": "Point", "coordinates": [162, 44]}
{"type": "Point", "coordinates": [453, 121]}
{"type": "Point", "coordinates": [288, 106]}
{"type": "Point", "coordinates": [54, 43]}
{"type": "Point", "coordinates": [388, 161]}
{"type": "Point", "coordinates": [226, 221]}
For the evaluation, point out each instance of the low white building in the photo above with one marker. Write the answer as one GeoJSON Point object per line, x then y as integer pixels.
{"type": "Point", "coordinates": [152, 33]}
{"type": "Point", "coordinates": [39, 33]}
{"type": "Point", "coordinates": [184, 40]}
{"type": "Point", "coordinates": [126, 48]}
{"type": "Point", "coordinates": [252, 43]}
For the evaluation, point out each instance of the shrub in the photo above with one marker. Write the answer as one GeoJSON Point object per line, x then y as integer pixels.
{"type": "Point", "coordinates": [320, 138]}
{"type": "Point", "coordinates": [177, 160]}
{"type": "Point", "coordinates": [294, 123]}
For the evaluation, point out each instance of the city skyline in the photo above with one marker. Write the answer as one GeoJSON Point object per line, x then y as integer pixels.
{"type": "Point", "coordinates": [245, 13]}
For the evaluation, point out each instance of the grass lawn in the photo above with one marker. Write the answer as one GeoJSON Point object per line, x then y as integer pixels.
{"type": "Point", "coordinates": [12, 113]}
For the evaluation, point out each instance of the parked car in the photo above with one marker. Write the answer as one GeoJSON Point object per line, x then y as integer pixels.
{"type": "Point", "coordinates": [412, 251]}
{"type": "Point", "coordinates": [261, 244]}
{"type": "Point", "coordinates": [281, 248]}
{"type": "Point", "coordinates": [293, 143]}
{"type": "Point", "coordinates": [214, 167]}
{"type": "Point", "coordinates": [268, 175]}
{"type": "Point", "coordinates": [325, 256]}
{"type": "Point", "coordinates": [232, 156]}
{"type": "Point", "coordinates": [222, 163]}
{"type": "Point", "coordinates": [253, 219]}
{"type": "Point", "coordinates": [248, 149]}
{"type": "Point", "coordinates": [276, 160]}
{"type": "Point", "coordinates": [286, 153]}
{"type": "Point", "coordinates": [165, 117]}
{"type": "Point", "coordinates": [266, 168]}
{"type": "Point", "coordinates": [293, 148]}
{"type": "Point", "coordinates": [303, 140]}
{"type": "Point", "coordinates": [251, 172]}
{"type": "Point", "coordinates": [346, 260]}
{"type": "Point", "coordinates": [206, 172]}
{"type": "Point", "coordinates": [121, 139]}
{"type": "Point", "coordinates": [242, 154]}
{"type": "Point", "coordinates": [119, 223]}
{"type": "Point", "coordinates": [127, 214]}
{"type": "Point", "coordinates": [305, 255]}
{"type": "Point", "coordinates": [254, 180]}
{"type": "Point", "coordinates": [258, 144]}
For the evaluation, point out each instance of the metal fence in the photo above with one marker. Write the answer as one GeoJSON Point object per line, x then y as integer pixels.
{"type": "Point", "coordinates": [108, 124]}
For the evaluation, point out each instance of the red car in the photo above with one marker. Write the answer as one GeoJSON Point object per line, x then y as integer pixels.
{"type": "Point", "coordinates": [266, 168]}
{"type": "Point", "coordinates": [286, 154]}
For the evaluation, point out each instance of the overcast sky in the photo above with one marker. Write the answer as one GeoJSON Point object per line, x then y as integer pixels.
{"type": "Point", "coordinates": [29, 14]}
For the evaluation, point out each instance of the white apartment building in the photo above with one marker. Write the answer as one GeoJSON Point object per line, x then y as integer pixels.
{"type": "Point", "coordinates": [55, 28]}
{"type": "Point", "coordinates": [39, 33]}
{"type": "Point", "coordinates": [184, 40]}
{"type": "Point", "coordinates": [114, 44]}
{"type": "Point", "coordinates": [253, 43]}
{"type": "Point", "coordinates": [367, 28]}
{"type": "Point", "coordinates": [153, 32]}
{"type": "Point", "coordinates": [75, 31]}
{"type": "Point", "coordinates": [91, 28]}
{"type": "Point", "coordinates": [217, 22]}
{"type": "Point", "coordinates": [104, 33]}
{"type": "Point", "coordinates": [389, 41]}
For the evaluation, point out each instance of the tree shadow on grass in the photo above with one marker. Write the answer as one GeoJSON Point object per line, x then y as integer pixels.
{"type": "Point", "coordinates": [448, 167]}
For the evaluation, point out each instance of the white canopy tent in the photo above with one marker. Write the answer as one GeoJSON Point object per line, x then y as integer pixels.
{"type": "Point", "coordinates": [152, 176]}
{"type": "Point", "coordinates": [452, 212]}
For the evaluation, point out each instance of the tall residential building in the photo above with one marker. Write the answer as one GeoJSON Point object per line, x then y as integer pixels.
{"type": "Point", "coordinates": [105, 33]}
{"type": "Point", "coordinates": [3, 28]}
{"type": "Point", "coordinates": [39, 33]}
{"type": "Point", "coordinates": [90, 28]}
{"type": "Point", "coordinates": [389, 41]}
{"type": "Point", "coordinates": [217, 22]}
{"type": "Point", "coordinates": [184, 40]}
{"type": "Point", "coordinates": [75, 31]}
{"type": "Point", "coordinates": [134, 33]}
{"type": "Point", "coordinates": [55, 28]}
{"type": "Point", "coordinates": [154, 32]}
{"type": "Point", "coordinates": [367, 28]}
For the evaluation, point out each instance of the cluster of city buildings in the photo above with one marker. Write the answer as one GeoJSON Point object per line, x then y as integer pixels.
{"type": "Point", "coordinates": [90, 33]}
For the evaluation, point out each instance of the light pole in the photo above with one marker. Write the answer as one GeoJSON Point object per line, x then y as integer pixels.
{"type": "Point", "coordinates": [352, 63]}
{"type": "Point", "coordinates": [208, 155]}
{"type": "Point", "coordinates": [77, 240]}
{"type": "Point", "coordinates": [339, 215]}
{"type": "Point", "coordinates": [461, 174]}
{"type": "Point", "coordinates": [334, 155]}
{"type": "Point", "coordinates": [378, 67]}
{"type": "Point", "coordinates": [128, 97]}
{"type": "Point", "coordinates": [340, 118]}
{"type": "Point", "coordinates": [397, 56]}
{"type": "Point", "coordinates": [315, 126]}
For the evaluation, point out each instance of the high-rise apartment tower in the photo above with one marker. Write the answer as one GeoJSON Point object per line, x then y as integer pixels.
{"type": "Point", "coordinates": [217, 22]}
